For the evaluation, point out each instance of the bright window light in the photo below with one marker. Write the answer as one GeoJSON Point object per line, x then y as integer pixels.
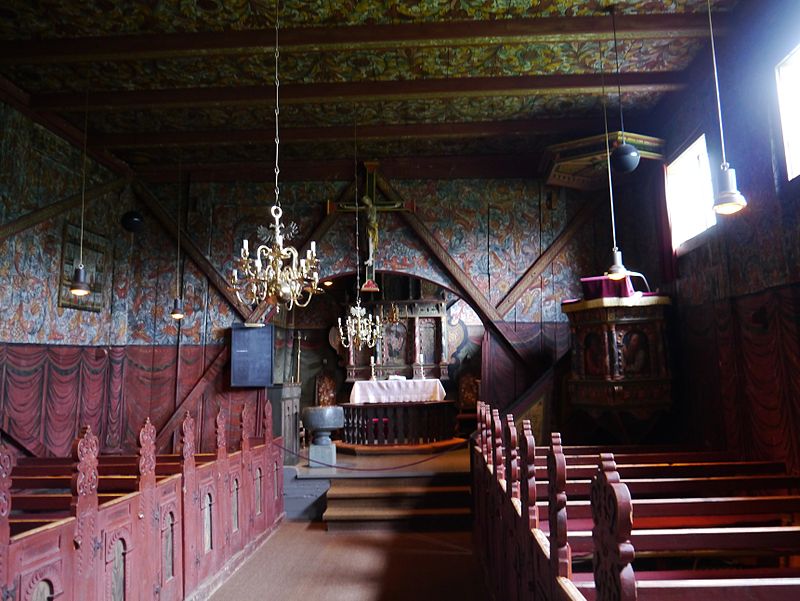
{"type": "Point", "coordinates": [788, 75]}
{"type": "Point", "coordinates": [690, 196]}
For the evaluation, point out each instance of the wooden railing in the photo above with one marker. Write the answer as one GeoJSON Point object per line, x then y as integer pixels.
{"type": "Point", "coordinates": [398, 423]}
{"type": "Point", "coordinates": [169, 527]}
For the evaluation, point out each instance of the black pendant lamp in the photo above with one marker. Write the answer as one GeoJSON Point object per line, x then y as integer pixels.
{"type": "Point", "coordinates": [625, 157]}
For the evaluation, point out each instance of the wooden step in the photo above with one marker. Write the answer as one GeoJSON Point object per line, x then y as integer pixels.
{"type": "Point", "coordinates": [424, 502]}
{"type": "Point", "coordinates": [399, 496]}
{"type": "Point", "coordinates": [365, 518]}
{"type": "Point", "coordinates": [438, 479]}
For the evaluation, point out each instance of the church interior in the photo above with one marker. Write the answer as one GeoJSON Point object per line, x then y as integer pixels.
{"type": "Point", "coordinates": [400, 300]}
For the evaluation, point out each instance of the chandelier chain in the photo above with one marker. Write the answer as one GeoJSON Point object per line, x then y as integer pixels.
{"type": "Point", "coordinates": [358, 209]}
{"type": "Point", "coordinates": [276, 273]}
{"type": "Point", "coordinates": [277, 107]}
{"type": "Point", "coordinates": [178, 250]}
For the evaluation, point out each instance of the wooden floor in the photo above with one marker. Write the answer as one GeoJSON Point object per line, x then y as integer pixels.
{"type": "Point", "coordinates": [303, 562]}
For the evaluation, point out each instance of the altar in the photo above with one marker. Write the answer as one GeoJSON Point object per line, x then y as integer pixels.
{"type": "Point", "coordinates": [396, 391]}
{"type": "Point", "coordinates": [398, 413]}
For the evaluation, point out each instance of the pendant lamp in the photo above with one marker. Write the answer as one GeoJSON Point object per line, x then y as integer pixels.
{"type": "Point", "coordinates": [625, 157]}
{"type": "Point", "coordinates": [79, 286]}
{"type": "Point", "coordinates": [177, 306]}
{"type": "Point", "coordinates": [728, 199]}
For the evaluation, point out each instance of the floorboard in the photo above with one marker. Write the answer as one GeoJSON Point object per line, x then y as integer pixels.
{"type": "Point", "coordinates": [301, 561]}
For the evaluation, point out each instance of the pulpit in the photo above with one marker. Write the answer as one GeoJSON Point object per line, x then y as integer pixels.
{"type": "Point", "coordinates": [620, 362]}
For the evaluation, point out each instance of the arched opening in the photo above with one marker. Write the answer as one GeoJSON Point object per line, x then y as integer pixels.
{"type": "Point", "coordinates": [118, 572]}
{"type": "Point", "coordinates": [258, 483]}
{"type": "Point", "coordinates": [235, 505]}
{"type": "Point", "coordinates": [422, 319]}
{"type": "Point", "coordinates": [208, 525]}
{"type": "Point", "coordinates": [168, 546]}
{"type": "Point", "coordinates": [43, 591]}
{"type": "Point", "coordinates": [275, 481]}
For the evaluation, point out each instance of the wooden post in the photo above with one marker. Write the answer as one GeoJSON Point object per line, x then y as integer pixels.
{"type": "Point", "coordinates": [6, 466]}
{"type": "Point", "coordinates": [527, 476]}
{"type": "Point", "coordinates": [511, 457]}
{"type": "Point", "coordinates": [560, 552]}
{"type": "Point", "coordinates": [223, 504]}
{"type": "Point", "coordinates": [149, 529]}
{"type": "Point", "coordinates": [612, 512]}
{"type": "Point", "coordinates": [192, 520]}
{"type": "Point", "coordinates": [86, 539]}
{"type": "Point", "coordinates": [497, 446]}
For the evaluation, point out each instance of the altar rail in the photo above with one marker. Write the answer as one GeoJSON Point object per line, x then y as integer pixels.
{"type": "Point", "coordinates": [138, 526]}
{"type": "Point", "coordinates": [403, 423]}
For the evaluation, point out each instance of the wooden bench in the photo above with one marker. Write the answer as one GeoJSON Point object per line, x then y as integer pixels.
{"type": "Point", "coordinates": [615, 543]}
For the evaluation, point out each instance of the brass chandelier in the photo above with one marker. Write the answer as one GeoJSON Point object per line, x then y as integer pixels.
{"type": "Point", "coordinates": [275, 272]}
{"type": "Point", "coordinates": [361, 328]}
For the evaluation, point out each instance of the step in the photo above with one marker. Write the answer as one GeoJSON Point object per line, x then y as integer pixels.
{"type": "Point", "coordinates": [367, 518]}
{"type": "Point", "coordinates": [399, 496]}
{"type": "Point", "coordinates": [438, 479]}
{"type": "Point", "coordinates": [367, 491]}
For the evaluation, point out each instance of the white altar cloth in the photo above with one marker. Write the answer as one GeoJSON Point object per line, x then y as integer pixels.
{"type": "Point", "coordinates": [396, 391]}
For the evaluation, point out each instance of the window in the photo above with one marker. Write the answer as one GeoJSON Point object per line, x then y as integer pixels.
{"type": "Point", "coordinates": [787, 74]}
{"type": "Point", "coordinates": [690, 196]}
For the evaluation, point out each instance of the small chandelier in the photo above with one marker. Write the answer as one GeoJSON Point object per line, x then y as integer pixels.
{"type": "Point", "coordinates": [360, 328]}
{"type": "Point", "coordinates": [276, 273]}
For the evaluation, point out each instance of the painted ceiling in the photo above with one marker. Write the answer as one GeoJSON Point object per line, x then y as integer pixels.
{"type": "Point", "coordinates": [425, 78]}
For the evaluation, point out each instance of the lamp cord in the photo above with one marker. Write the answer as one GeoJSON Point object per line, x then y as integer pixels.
{"type": "Point", "coordinates": [277, 106]}
{"type": "Point", "coordinates": [616, 59]}
{"type": "Point", "coordinates": [608, 150]}
{"type": "Point", "coordinates": [83, 171]}
{"type": "Point", "coordinates": [178, 253]}
{"type": "Point", "coordinates": [716, 84]}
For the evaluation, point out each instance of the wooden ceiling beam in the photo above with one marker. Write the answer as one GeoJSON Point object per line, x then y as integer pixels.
{"type": "Point", "coordinates": [437, 131]}
{"type": "Point", "coordinates": [375, 37]}
{"type": "Point", "coordinates": [359, 91]}
{"type": "Point", "coordinates": [20, 100]}
{"type": "Point", "coordinates": [435, 167]}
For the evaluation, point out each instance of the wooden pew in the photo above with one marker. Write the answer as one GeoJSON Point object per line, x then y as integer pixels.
{"type": "Point", "coordinates": [701, 509]}
{"type": "Point", "coordinates": [683, 512]}
{"type": "Point", "coordinates": [614, 542]}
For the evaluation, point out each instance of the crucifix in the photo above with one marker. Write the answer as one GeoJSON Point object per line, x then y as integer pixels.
{"type": "Point", "coordinates": [372, 204]}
